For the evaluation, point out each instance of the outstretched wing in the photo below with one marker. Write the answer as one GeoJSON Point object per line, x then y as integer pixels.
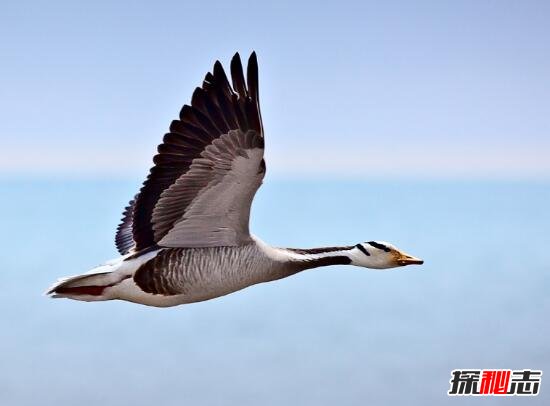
{"type": "Point", "coordinates": [217, 109]}
{"type": "Point", "coordinates": [209, 206]}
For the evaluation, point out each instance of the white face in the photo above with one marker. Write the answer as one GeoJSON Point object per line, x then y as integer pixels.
{"type": "Point", "coordinates": [381, 255]}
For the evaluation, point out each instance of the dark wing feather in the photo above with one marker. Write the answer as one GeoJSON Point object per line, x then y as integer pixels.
{"type": "Point", "coordinates": [216, 108]}
{"type": "Point", "coordinates": [124, 240]}
{"type": "Point", "coordinates": [253, 90]}
{"type": "Point", "coordinates": [237, 76]}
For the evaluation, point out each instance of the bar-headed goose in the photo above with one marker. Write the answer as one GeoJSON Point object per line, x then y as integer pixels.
{"type": "Point", "coordinates": [184, 237]}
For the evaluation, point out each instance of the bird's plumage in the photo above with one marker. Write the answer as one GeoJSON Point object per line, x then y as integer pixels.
{"type": "Point", "coordinates": [185, 236]}
{"type": "Point", "coordinates": [216, 109]}
{"type": "Point", "coordinates": [124, 239]}
{"type": "Point", "coordinates": [209, 206]}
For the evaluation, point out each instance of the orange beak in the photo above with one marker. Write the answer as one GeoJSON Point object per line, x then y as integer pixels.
{"type": "Point", "coordinates": [409, 260]}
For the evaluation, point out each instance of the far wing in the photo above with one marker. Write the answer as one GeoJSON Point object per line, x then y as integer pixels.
{"type": "Point", "coordinates": [124, 239]}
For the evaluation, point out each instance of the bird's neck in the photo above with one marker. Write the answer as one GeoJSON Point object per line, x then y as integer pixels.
{"type": "Point", "coordinates": [307, 258]}
{"type": "Point", "coordinates": [316, 257]}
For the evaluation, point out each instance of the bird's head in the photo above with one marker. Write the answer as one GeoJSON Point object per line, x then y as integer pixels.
{"type": "Point", "coordinates": [381, 255]}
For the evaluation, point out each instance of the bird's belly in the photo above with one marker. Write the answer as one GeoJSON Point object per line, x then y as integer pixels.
{"type": "Point", "coordinates": [190, 289]}
{"type": "Point", "coordinates": [178, 276]}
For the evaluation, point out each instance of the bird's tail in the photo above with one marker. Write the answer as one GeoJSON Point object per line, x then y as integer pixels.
{"type": "Point", "coordinates": [90, 286]}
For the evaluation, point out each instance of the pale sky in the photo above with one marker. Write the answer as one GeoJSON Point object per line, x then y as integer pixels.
{"type": "Point", "coordinates": [398, 88]}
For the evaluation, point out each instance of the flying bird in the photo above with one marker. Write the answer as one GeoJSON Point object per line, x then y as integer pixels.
{"type": "Point", "coordinates": [185, 236]}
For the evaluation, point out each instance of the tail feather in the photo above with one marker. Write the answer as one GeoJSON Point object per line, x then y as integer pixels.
{"type": "Point", "coordinates": [79, 290]}
{"type": "Point", "coordinates": [90, 286]}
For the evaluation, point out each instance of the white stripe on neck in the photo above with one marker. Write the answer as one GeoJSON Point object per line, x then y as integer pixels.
{"type": "Point", "coordinates": [285, 255]}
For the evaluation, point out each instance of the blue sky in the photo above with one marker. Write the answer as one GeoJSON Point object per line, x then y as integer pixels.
{"type": "Point", "coordinates": [392, 88]}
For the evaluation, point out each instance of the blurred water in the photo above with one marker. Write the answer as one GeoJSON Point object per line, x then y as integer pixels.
{"type": "Point", "coordinates": [338, 335]}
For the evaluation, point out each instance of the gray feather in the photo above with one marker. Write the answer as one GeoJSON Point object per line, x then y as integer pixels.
{"type": "Point", "coordinates": [209, 206]}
